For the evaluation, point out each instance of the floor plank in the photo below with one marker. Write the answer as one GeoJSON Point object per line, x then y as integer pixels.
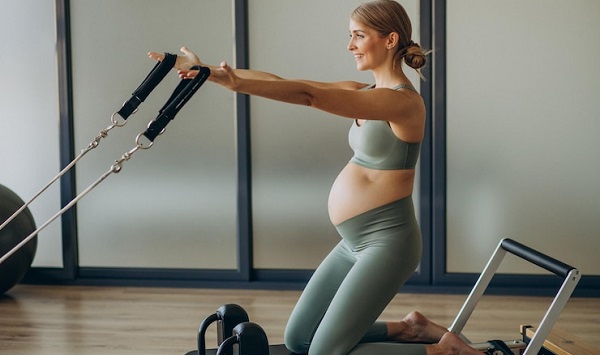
{"type": "Point", "coordinates": [127, 320]}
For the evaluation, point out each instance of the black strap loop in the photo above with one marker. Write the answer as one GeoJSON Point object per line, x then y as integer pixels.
{"type": "Point", "coordinates": [156, 75]}
{"type": "Point", "coordinates": [181, 95]}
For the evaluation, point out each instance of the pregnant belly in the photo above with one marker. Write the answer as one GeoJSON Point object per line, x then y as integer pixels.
{"type": "Point", "coordinates": [358, 189]}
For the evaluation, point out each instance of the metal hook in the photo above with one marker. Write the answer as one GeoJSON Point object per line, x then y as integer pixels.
{"type": "Point", "coordinates": [116, 122]}
{"type": "Point", "coordinates": [143, 145]}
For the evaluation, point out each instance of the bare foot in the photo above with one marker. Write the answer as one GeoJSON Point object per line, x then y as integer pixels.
{"type": "Point", "coordinates": [415, 327]}
{"type": "Point", "coordinates": [451, 344]}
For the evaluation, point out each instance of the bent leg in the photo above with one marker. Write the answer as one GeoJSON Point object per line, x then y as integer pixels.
{"type": "Point", "coordinates": [316, 297]}
{"type": "Point", "coordinates": [382, 268]}
{"type": "Point", "coordinates": [339, 307]}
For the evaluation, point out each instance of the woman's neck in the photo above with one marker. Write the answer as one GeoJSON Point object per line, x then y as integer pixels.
{"type": "Point", "coordinates": [389, 78]}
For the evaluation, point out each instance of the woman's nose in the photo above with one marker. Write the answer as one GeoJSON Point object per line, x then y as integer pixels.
{"type": "Point", "coordinates": [351, 45]}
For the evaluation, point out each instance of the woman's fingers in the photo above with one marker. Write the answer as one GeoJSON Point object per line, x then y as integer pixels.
{"type": "Point", "coordinates": [187, 74]}
{"type": "Point", "coordinates": [156, 56]}
{"type": "Point", "coordinates": [185, 50]}
{"type": "Point", "coordinates": [185, 61]}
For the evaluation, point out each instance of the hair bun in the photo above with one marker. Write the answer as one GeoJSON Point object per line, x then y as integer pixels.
{"type": "Point", "coordinates": [414, 56]}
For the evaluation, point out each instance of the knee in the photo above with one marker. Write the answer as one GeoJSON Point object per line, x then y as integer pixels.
{"type": "Point", "coordinates": [329, 349]}
{"type": "Point", "coordinates": [296, 348]}
{"type": "Point", "coordinates": [295, 341]}
{"type": "Point", "coordinates": [298, 343]}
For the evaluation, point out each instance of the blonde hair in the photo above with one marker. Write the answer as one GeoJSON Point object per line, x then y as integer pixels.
{"type": "Point", "coordinates": [385, 17]}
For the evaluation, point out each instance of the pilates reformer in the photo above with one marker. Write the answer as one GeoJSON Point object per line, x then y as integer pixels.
{"type": "Point", "coordinates": [236, 335]}
{"type": "Point", "coordinates": [144, 140]}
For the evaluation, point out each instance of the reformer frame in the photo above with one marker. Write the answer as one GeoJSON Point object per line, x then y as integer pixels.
{"type": "Point", "coordinates": [570, 275]}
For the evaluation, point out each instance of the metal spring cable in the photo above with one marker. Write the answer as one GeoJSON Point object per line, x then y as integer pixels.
{"type": "Point", "coordinates": [144, 140]}
{"type": "Point", "coordinates": [128, 108]}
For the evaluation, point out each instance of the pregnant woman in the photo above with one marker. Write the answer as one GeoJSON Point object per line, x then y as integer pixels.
{"type": "Point", "coordinates": [370, 202]}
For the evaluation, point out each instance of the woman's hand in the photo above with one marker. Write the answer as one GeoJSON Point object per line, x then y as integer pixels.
{"type": "Point", "coordinates": [183, 63]}
{"type": "Point", "coordinates": [224, 76]}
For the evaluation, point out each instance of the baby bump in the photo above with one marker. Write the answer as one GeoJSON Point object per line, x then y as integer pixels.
{"type": "Point", "coordinates": [357, 190]}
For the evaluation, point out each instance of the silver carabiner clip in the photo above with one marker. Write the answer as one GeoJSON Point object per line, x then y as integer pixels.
{"type": "Point", "coordinates": [142, 142]}
{"type": "Point", "coordinates": [117, 122]}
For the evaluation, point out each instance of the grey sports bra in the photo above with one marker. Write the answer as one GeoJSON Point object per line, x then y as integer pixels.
{"type": "Point", "coordinates": [376, 146]}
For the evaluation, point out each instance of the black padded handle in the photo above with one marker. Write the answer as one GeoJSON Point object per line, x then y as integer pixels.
{"type": "Point", "coordinates": [251, 338]}
{"type": "Point", "coordinates": [227, 317]}
{"type": "Point", "coordinates": [533, 256]}
{"type": "Point", "coordinates": [156, 75]}
{"type": "Point", "coordinates": [202, 332]}
{"type": "Point", "coordinates": [182, 94]}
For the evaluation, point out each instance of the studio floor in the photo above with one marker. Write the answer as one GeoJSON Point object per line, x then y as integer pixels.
{"type": "Point", "coordinates": [126, 320]}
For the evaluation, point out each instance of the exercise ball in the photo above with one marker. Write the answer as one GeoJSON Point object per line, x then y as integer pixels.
{"type": "Point", "coordinates": [16, 266]}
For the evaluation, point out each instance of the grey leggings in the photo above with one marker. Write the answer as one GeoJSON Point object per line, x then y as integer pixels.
{"type": "Point", "coordinates": [338, 310]}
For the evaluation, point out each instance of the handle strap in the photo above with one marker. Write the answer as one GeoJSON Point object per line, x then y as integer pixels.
{"type": "Point", "coordinates": [181, 95]}
{"type": "Point", "coordinates": [156, 75]}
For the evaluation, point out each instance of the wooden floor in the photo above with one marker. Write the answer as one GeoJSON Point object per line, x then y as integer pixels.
{"type": "Point", "coordinates": [117, 320]}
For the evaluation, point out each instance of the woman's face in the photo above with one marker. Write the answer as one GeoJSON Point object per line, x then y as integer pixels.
{"type": "Point", "coordinates": [367, 46]}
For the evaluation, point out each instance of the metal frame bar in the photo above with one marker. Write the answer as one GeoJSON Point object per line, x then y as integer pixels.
{"type": "Point", "coordinates": [67, 141]}
{"type": "Point", "coordinates": [438, 141]}
{"type": "Point", "coordinates": [244, 195]}
{"type": "Point", "coordinates": [424, 274]}
{"type": "Point", "coordinates": [571, 278]}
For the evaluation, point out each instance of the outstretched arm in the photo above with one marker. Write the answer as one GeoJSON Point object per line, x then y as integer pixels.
{"type": "Point", "coordinates": [378, 104]}
{"type": "Point", "coordinates": [188, 59]}
{"type": "Point", "coordinates": [339, 98]}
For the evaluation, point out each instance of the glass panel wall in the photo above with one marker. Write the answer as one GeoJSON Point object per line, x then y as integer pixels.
{"type": "Point", "coordinates": [29, 147]}
{"type": "Point", "coordinates": [522, 126]}
{"type": "Point", "coordinates": [174, 205]}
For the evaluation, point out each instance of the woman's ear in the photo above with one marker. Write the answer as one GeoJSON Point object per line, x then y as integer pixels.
{"type": "Point", "coordinates": [392, 40]}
